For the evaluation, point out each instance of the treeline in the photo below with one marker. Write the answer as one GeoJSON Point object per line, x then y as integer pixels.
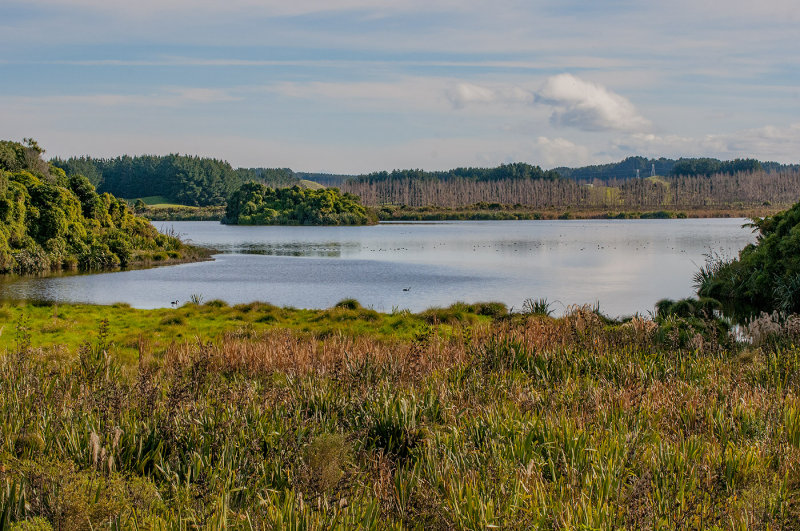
{"type": "Point", "coordinates": [256, 204]}
{"type": "Point", "coordinates": [182, 179]}
{"type": "Point", "coordinates": [504, 172]}
{"type": "Point", "coordinates": [720, 190]}
{"type": "Point", "coordinates": [50, 220]}
{"type": "Point", "coordinates": [633, 167]}
{"type": "Point", "coordinates": [272, 177]}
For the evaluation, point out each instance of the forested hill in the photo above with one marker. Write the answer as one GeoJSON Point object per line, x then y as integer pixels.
{"type": "Point", "coordinates": [514, 171]}
{"type": "Point", "coordinates": [51, 221]}
{"type": "Point", "coordinates": [625, 169]}
{"type": "Point", "coordinates": [198, 181]}
{"type": "Point", "coordinates": [687, 167]}
{"type": "Point", "coordinates": [182, 179]}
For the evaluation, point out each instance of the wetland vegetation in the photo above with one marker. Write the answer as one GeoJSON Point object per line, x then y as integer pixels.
{"type": "Point", "coordinates": [466, 417]}
{"type": "Point", "coordinates": [472, 416]}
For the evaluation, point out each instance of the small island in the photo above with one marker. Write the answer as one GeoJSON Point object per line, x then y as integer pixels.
{"type": "Point", "coordinates": [50, 221]}
{"type": "Point", "coordinates": [256, 204]}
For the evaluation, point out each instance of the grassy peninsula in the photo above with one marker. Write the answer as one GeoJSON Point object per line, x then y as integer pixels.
{"type": "Point", "coordinates": [49, 221]}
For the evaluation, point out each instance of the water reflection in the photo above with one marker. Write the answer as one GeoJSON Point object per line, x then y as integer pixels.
{"type": "Point", "coordinates": [311, 249]}
{"type": "Point", "coordinates": [626, 265]}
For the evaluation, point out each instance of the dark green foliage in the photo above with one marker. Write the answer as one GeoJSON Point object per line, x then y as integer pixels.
{"type": "Point", "coordinates": [766, 276]}
{"type": "Point", "coordinates": [348, 304]}
{"type": "Point", "coordinates": [272, 177]}
{"type": "Point", "coordinates": [706, 166]}
{"type": "Point", "coordinates": [255, 204]}
{"type": "Point", "coordinates": [517, 170]}
{"type": "Point", "coordinates": [537, 307]}
{"type": "Point", "coordinates": [688, 322]}
{"type": "Point", "coordinates": [49, 221]}
{"type": "Point", "coordinates": [625, 169]}
{"type": "Point", "coordinates": [183, 179]}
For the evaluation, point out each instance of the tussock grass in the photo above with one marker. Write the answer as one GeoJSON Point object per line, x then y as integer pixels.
{"type": "Point", "coordinates": [522, 421]}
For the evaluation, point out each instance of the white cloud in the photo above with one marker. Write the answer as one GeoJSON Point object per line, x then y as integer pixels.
{"type": "Point", "coordinates": [463, 94]}
{"type": "Point", "coordinates": [770, 142]}
{"type": "Point", "coordinates": [561, 152]}
{"type": "Point", "coordinates": [588, 106]}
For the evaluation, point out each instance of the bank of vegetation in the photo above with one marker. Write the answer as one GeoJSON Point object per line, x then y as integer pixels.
{"type": "Point", "coordinates": [468, 417]}
{"type": "Point", "coordinates": [464, 417]}
{"type": "Point", "coordinates": [256, 204]}
{"type": "Point", "coordinates": [688, 185]}
{"type": "Point", "coordinates": [50, 221]}
{"type": "Point", "coordinates": [765, 277]}
{"type": "Point", "coordinates": [182, 179]}
{"type": "Point", "coordinates": [496, 212]}
{"type": "Point", "coordinates": [756, 190]}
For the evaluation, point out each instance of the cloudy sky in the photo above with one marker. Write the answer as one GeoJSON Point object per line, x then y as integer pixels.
{"type": "Point", "coordinates": [359, 85]}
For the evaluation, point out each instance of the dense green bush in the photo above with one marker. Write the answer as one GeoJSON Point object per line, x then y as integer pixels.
{"type": "Point", "coordinates": [255, 204]}
{"type": "Point", "coordinates": [49, 221]}
{"type": "Point", "coordinates": [766, 276]}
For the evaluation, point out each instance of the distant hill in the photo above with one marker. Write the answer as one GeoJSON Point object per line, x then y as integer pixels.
{"type": "Point", "coordinates": [627, 168]}
{"type": "Point", "coordinates": [514, 171]}
{"type": "Point", "coordinates": [329, 180]}
{"type": "Point", "coordinates": [181, 179]}
{"type": "Point", "coordinates": [198, 181]}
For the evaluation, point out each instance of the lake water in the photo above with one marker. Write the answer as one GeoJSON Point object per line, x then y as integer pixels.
{"type": "Point", "coordinates": [625, 265]}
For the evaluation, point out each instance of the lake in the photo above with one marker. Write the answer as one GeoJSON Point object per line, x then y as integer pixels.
{"type": "Point", "coordinates": [625, 265]}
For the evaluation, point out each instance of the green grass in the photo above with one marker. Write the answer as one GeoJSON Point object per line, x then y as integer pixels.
{"type": "Point", "coordinates": [313, 185]}
{"type": "Point", "coordinates": [71, 324]}
{"type": "Point", "coordinates": [467, 417]}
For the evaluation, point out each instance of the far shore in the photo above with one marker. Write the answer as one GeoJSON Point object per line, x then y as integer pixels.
{"type": "Point", "coordinates": [500, 212]}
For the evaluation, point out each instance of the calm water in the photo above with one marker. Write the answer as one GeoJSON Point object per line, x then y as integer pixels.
{"type": "Point", "coordinates": [626, 265]}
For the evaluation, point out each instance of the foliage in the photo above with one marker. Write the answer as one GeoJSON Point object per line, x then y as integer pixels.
{"type": "Point", "coordinates": [706, 166]}
{"type": "Point", "coordinates": [691, 322]}
{"type": "Point", "coordinates": [537, 307]}
{"type": "Point", "coordinates": [272, 177]}
{"type": "Point", "coordinates": [501, 197]}
{"type": "Point", "coordinates": [766, 275]}
{"type": "Point", "coordinates": [521, 422]}
{"type": "Point", "coordinates": [51, 221]}
{"type": "Point", "coordinates": [255, 204]}
{"type": "Point", "coordinates": [181, 179]}
{"type": "Point", "coordinates": [517, 170]}
{"type": "Point", "coordinates": [627, 168]}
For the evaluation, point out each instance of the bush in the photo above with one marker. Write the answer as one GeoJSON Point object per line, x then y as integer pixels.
{"type": "Point", "coordinates": [348, 304]}
{"type": "Point", "coordinates": [766, 275]}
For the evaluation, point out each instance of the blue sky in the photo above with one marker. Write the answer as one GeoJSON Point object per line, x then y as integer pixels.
{"type": "Point", "coordinates": [360, 85]}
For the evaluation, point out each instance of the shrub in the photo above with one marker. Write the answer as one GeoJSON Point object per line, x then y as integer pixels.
{"type": "Point", "coordinates": [348, 304]}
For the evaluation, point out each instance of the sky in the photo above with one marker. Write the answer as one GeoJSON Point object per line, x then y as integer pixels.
{"type": "Point", "coordinates": [353, 86]}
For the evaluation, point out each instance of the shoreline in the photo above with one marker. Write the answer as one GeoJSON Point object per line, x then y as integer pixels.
{"type": "Point", "coordinates": [506, 213]}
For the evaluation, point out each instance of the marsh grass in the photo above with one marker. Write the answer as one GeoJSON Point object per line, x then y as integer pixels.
{"type": "Point", "coordinates": [513, 422]}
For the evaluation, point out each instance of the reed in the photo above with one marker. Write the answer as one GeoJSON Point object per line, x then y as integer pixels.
{"type": "Point", "coordinates": [514, 421]}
